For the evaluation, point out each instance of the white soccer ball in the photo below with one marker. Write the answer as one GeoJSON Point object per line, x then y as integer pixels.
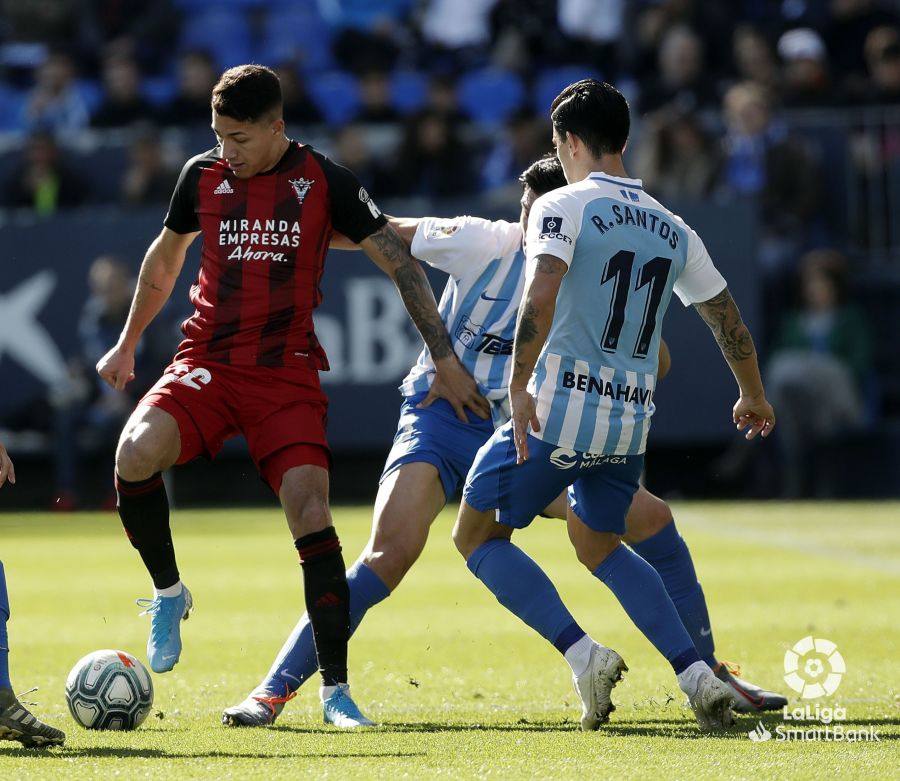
{"type": "Point", "coordinates": [109, 690]}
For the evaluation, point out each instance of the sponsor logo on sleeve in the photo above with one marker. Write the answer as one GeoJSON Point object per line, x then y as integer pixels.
{"type": "Point", "coordinates": [364, 197]}
{"type": "Point", "coordinates": [551, 228]}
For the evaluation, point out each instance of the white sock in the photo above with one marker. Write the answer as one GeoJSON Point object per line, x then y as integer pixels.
{"type": "Point", "coordinates": [326, 691]}
{"type": "Point", "coordinates": [170, 591]}
{"type": "Point", "coordinates": [578, 655]}
{"type": "Point", "coordinates": [689, 678]}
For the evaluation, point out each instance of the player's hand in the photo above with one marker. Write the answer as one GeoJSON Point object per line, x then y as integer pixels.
{"type": "Point", "coordinates": [754, 415]}
{"type": "Point", "coordinates": [117, 367]}
{"type": "Point", "coordinates": [524, 414]}
{"type": "Point", "coordinates": [7, 471]}
{"type": "Point", "coordinates": [453, 383]}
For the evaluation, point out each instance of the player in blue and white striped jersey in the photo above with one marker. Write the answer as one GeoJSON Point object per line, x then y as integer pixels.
{"type": "Point", "coordinates": [433, 448]}
{"type": "Point", "coordinates": [603, 258]}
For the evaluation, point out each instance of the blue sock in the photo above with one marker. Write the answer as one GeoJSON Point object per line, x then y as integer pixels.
{"type": "Point", "coordinates": [667, 552]}
{"type": "Point", "coordinates": [521, 586]}
{"type": "Point", "coordinates": [296, 661]}
{"type": "Point", "coordinates": [4, 641]}
{"type": "Point", "coordinates": [641, 592]}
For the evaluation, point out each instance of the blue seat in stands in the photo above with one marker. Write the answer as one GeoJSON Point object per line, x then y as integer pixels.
{"type": "Point", "coordinates": [224, 33]}
{"type": "Point", "coordinates": [490, 95]}
{"type": "Point", "coordinates": [552, 81]}
{"type": "Point", "coordinates": [296, 32]}
{"type": "Point", "coordinates": [409, 91]}
{"type": "Point", "coordinates": [159, 90]}
{"type": "Point", "coordinates": [12, 117]}
{"type": "Point", "coordinates": [337, 96]}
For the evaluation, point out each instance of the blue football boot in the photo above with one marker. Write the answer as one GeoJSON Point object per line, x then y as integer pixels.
{"type": "Point", "coordinates": [164, 643]}
{"type": "Point", "coordinates": [340, 710]}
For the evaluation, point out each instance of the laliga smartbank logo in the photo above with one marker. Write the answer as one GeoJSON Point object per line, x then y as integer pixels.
{"type": "Point", "coordinates": [813, 667]}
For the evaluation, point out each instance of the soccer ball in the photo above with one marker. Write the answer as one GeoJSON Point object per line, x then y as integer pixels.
{"type": "Point", "coordinates": [109, 690]}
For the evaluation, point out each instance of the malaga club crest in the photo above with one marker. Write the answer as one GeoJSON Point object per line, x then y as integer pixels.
{"type": "Point", "coordinates": [301, 187]}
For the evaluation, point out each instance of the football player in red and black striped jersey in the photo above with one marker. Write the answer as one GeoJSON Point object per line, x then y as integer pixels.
{"type": "Point", "coordinates": [267, 207]}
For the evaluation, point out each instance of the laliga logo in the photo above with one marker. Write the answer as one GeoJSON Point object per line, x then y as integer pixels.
{"type": "Point", "coordinates": [563, 458]}
{"type": "Point", "coordinates": [813, 667]}
{"type": "Point", "coordinates": [759, 734]}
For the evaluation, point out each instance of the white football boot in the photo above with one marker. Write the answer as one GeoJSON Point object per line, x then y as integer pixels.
{"type": "Point", "coordinates": [595, 686]}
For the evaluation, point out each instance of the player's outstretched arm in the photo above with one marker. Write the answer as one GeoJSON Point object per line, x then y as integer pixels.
{"type": "Point", "coordinates": [391, 254]}
{"type": "Point", "coordinates": [535, 318]}
{"type": "Point", "coordinates": [752, 413]}
{"type": "Point", "coordinates": [405, 227]}
{"type": "Point", "coordinates": [160, 269]}
{"type": "Point", "coordinates": [7, 471]}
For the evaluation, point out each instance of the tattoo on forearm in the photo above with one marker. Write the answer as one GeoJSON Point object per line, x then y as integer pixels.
{"type": "Point", "coordinates": [527, 328]}
{"type": "Point", "coordinates": [415, 290]}
{"type": "Point", "coordinates": [724, 319]}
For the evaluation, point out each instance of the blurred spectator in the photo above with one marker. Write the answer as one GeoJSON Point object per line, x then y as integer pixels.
{"type": "Point", "coordinates": [83, 405]}
{"type": "Point", "coordinates": [122, 103]}
{"type": "Point", "coordinates": [765, 165]}
{"type": "Point", "coordinates": [593, 30]}
{"type": "Point", "coordinates": [682, 80]}
{"type": "Point", "coordinates": [140, 29]}
{"type": "Point", "coordinates": [458, 32]}
{"type": "Point", "coordinates": [819, 376]}
{"type": "Point", "coordinates": [57, 23]}
{"type": "Point", "coordinates": [443, 97]}
{"type": "Point", "coordinates": [850, 24]}
{"type": "Point", "coordinates": [754, 59]}
{"type": "Point", "coordinates": [375, 98]}
{"type": "Point", "coordinates": [525, 32]}
{"type": "Point", "coordinates": [43, 182]}
{"type": "Point", "coordinates": [55, 103]}
{"type": "Point", "coordinates": [525, 138]}
{"type": "Point", "coordinates": [299, 107]}
{"type": "Point", "coordinates": [433, 160]}
{"type": "Point", "coordinates": [762, 160]}
{"type": "Point", "coordinates": [197, 76]}
{"type": "Point", "coordinates": [369, 34]}
{"type": "Point", "coordinates": [149, 179]}
{"type": "Point", "coordinates": [351, 148]}
{"type": "Point", "coordinates": [806, 80]}
{"type": "Point", "coordinates": [676, 158]}
{"type": "Point", "coordinates": [883, 61]}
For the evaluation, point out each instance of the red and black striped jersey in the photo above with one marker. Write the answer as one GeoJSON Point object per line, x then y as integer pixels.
{"type": "Point", "coordinates": [264, 244]}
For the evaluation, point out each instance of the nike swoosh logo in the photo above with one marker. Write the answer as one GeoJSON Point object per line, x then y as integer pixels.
{"type": "Point", "coordinates": [706, 632]}
{"type": "Point", "coordinates": [486, 297]}
{"type": "Point", "coordinates": [170, 656]}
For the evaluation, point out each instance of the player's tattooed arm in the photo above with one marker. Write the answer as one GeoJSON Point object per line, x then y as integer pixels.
{"type": "Point", "coordinates": [724, 319]}
{"type": "Point", "coordinates": [536, 316]}
{"type": "Point", "coordinates": [452, 382]}
{"type": "Point", "coordinates": [391, 254]}
{"type": "Point", "coordinates": [752, 413]}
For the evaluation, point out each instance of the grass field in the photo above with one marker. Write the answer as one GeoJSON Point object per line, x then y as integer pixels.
{"type": "Point", "coordinates": [460, 687]}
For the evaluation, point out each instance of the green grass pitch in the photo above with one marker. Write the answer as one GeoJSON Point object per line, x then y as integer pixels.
{"type": "Point", "coordinates": [460, 688]}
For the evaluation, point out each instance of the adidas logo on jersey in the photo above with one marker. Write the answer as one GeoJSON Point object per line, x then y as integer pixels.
{"type": "Point", "coordinates": [224, 188]}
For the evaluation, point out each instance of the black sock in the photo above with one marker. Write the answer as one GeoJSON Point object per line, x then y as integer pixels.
{"type": "Point", "coordinates": [144, 509]}
{"type": "Point", "coordinates": [327, 601]}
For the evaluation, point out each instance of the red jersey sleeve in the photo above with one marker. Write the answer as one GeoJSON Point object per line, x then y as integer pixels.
{"type": "Point", "coordinates": [353, 212]}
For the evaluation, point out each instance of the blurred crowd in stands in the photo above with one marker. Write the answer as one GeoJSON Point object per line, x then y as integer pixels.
{"type": "Point", "coordinates": [103, 101]}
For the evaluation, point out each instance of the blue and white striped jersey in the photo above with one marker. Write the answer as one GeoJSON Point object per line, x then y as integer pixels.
{"type": "Point", "coordinates": [487, 276]}
{"type": "Point", "coordinates": [595, 378]}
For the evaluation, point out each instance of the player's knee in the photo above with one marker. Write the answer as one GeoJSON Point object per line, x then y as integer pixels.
{"type": "Point", "coordinates": [648, 517]}
{"type": "Point", "coordinates": [592, 549]}
{"type": "Point", "coordinates": [390, 562]}
{"type": "Point", "coordinates": [137, 456]}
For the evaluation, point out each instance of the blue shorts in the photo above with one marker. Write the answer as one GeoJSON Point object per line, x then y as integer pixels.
{"type": "Point", "coordinates": [435, 435]}
{"type": "Point", "coordinates": [601, 487]}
